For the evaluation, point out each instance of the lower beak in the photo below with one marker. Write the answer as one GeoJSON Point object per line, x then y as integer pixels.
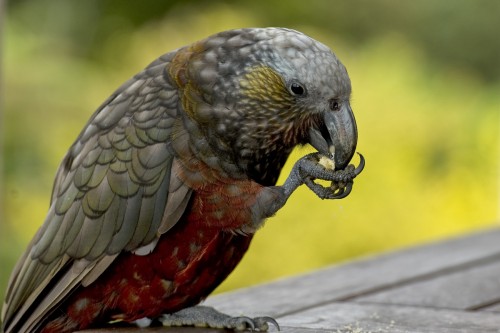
{"type": "Point", "coordinates": [337, 136]}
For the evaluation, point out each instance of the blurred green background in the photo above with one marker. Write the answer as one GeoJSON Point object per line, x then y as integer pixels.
{"type": "Point", "coordinates": [426, 95]}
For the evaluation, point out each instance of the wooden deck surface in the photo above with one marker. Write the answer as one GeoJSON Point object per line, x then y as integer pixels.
{"type": "Point", "coordinates": [449, 286]}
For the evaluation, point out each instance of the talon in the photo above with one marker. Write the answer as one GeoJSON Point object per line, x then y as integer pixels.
{"type": "Point", "coordinates": [339, 191]}
{"type": "Point", "coordinates": [245, 322]}
{"type": "Point", "coordinates": [344, 192]}
{"type": "Point", "coordinates": [361, 165]}
{"type": "Point", "coordinates": [274, 322]}
{"type": "Point", "coordinates": [262, 323]}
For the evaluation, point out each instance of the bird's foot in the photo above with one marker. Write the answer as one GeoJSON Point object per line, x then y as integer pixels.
{"type": "Point", "coordinates": [316, 166]}
{"type": "Point", "coordinates": [205, 316]}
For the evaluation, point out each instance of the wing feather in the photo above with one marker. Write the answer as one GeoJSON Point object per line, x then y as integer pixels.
{"type": "Point", "coordinates": [112, 193]}
{"type": "Point", "coordinates": [74, 219]}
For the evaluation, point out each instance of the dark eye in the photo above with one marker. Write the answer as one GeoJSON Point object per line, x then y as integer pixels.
{"type": "Point", "coordinates": [297, 89]}
{"type": "Point", "coordinates": [334, 105]}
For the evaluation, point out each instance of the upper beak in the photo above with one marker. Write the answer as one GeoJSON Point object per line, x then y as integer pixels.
{"type": "Point", "coordinates": [337, 136]}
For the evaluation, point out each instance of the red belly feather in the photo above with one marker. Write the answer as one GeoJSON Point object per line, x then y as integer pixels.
{"type": "Point", "coordinates": [187, 264]}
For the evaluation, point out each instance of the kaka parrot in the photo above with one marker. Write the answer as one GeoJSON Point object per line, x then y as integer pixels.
{"type": "Point", "coordinates": [158, 198]}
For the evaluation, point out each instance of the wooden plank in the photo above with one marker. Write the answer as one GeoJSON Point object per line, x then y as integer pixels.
{"type": "Point", "coordinates": [195, 330]}
{"type": "Point", "coordinates": [471, 288]}
{"type": "Point", "coordinates": [360, 277]}
{"type": "Point", "coordinates": [492, 308]}
{"type": "Point", "coordinates": [155, 330]}
{"type": "Point", "coordinates": [152, 330]}
{"type": "Point", "coordinates": [361, 318]}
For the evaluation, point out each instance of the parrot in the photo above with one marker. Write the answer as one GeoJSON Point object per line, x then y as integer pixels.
{"type": "Point", "coordinates": [160, 195]}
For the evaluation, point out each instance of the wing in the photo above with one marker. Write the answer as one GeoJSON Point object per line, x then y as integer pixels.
{"type": "Point", "coordinates": [114, 190]}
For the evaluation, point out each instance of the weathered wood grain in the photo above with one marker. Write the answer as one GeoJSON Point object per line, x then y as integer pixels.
{"type": "Point", "coordinates": [471, 288]}
{"type": "Point", "coordinates": [361, 277]}
{"type": "Point", "coordinates": [202, 330]}
{"type": "Point", "coordinates": [196, 330]}
{"type": "Point", "coordinates": [155, 330]}
{"type": "Point", "coordinates": [363, 318]}
{"type": "Point", "coordinates": [352, 317]}
{"type": "Point", "coordinates": [493, 307]}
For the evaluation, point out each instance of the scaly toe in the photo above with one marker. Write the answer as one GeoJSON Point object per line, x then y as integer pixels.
{"type": "Point", "coordinates": [241, 323]}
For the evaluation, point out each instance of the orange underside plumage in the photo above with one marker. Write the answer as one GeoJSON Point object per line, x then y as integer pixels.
{"type": "Point", "coordinates": [187, 264]}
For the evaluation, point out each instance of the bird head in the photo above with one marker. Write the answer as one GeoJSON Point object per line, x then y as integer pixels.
{"type": "Point", "coordinates": [259, 92]}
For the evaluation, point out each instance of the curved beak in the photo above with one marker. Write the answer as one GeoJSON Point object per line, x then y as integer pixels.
{"type": "Point", "coordinates": [337, 136]}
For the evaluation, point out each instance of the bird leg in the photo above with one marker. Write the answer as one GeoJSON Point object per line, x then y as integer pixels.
{"type": "Point", "coordinates": [270, 200]}
{"type": "Point", "coordinates": [205, 316]}
{"type": "Point", "coordinates": [306, 171]}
